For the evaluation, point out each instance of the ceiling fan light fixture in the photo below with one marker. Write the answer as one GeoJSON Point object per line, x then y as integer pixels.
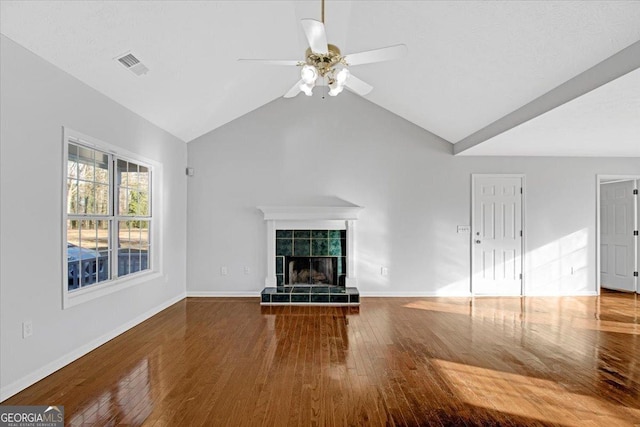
{"type": "Point", "coordinates": [338, 80]}
{"type": "Point", "coordinates": [309, 74]}
{"type": "Point", "coordinates": [333, 91]}
{"type": "Point", "coordinates": [307, 88]}
{"type": "Point", "coordinates": [342, 76]}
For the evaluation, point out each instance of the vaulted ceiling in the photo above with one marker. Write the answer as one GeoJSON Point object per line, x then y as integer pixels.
{"type": "Point", "coordinates": [470, 66]}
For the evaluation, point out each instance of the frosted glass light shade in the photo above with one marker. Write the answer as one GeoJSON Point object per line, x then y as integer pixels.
{"type": "Point", "coordinates": [309, 74]}
{"type": "Point", "coordinates": [342, 76]}
{"type": "Point", "coordinates": [307, 88]}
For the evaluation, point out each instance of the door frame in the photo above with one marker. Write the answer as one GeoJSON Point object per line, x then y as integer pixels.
{"type": "Point", "coordinates": [599, 178]}
{"type": "Point", "coordinates": [523, 289]}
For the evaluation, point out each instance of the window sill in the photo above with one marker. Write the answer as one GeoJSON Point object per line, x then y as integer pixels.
{"type": "Point", "coordinates": [74, 298]}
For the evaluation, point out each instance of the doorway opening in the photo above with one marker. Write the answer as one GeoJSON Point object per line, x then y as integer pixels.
{"type": "Point", "coordinates": [618, 220]}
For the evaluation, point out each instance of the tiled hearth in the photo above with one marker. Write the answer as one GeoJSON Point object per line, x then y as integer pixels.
{"type": "Point", "coordinates": [311, 255]}
{"type": "Point", "coordinates": [310, 294]}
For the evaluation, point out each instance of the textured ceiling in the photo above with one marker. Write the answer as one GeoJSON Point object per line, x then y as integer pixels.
{"type": "Point", "coordinates": [469, 63]}
{"type": "Point", "coordinates": [608, 116]}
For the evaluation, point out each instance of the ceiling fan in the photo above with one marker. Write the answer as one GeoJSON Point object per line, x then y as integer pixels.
{"type": "Point", "coordinates": [325, 61]}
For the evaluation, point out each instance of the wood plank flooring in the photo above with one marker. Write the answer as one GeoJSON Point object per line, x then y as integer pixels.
{"type": "Point", "coordinates": [391, 362]}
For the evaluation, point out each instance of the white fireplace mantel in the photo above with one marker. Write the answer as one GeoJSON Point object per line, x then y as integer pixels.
{"type": "Point", "coordinates": [318, 213]}
{"type": "Point", "coordinates": [308, 217]}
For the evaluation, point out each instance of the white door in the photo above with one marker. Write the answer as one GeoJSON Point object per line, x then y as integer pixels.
{"type": "Point", "coordinates": [497, 235]}
{"type": "Point", "coordinates": [618, 244]}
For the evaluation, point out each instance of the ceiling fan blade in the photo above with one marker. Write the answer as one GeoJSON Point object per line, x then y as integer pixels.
{"type": "Point", "coordinates": [294, 90]}
{"type": "Point", "coordinates": [377, 55]}
{"type": "Point", "coordinates": [272, 61]}
{"type": "Point", "coordinates": [316, 35]}
{"type": "Point", "coordinates": [356, 85]}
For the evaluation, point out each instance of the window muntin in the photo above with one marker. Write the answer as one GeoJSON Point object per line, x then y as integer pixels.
{"type": "Point", "coordinates": [107, 235]}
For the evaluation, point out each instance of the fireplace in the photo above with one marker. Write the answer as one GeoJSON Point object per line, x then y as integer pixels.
{"type": "Point", "coordinates": [320, 239]}
{"type": "Point", "coordinates": [311, 270]}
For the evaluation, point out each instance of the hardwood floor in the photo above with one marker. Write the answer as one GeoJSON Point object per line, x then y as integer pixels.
{"type": "Point", "coordinates": [393, 361]}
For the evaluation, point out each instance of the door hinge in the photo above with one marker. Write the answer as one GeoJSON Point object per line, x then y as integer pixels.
{"type": "Point", "coordinates": [520, 190]}
{"type": "Point", "coordinates": [520, 233]}
{"type": "Point", "coordinates": [520, 276]}
{"type": "Point", "coordinates": [635, 191]}
{"type": "Point", "coordinates": [635, 274]}
{"type": "Point", "coordinates": [635, 232]}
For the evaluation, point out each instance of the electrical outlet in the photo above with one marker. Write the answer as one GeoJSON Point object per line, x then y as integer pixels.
{"type": "Point", "coordinates": [464, 229]}
{"type": "Point", "coordinates": [224, 271]}
{"type": "Point", "coordinates": [27, 329]}
{"type": "Point", "coordinates": [247, 270]}
{"type": "Point", "coordinates": [384, 271]}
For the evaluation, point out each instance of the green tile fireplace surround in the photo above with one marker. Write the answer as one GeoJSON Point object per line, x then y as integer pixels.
{"type": "Point", "coordinates": [310, 243]}
{"type": "Point", "coordinates": [311, 254]}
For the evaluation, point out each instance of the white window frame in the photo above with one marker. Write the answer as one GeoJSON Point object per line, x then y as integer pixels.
{"type": "Point", "coordinates": [82, 295]}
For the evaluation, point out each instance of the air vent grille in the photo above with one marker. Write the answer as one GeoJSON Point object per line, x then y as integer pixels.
{"type": "Point", "coordinates": [132, 63]}
{"type": "Point", "coordinates": [129, 60]}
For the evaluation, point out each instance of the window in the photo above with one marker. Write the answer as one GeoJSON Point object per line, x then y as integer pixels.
{"type": "Point", "coordinates": [108, 216]}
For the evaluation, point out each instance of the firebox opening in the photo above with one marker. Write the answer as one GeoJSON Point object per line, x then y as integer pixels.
{"type": "Point", "coordinates": [311, 270]}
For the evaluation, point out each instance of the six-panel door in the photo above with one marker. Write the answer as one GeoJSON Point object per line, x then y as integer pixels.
{"type": "Point", "coordinates": [497, 236]}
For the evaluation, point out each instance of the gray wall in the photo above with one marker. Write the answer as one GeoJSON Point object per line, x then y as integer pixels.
{"type": "Point", "coordinates": [37, 100]}
{"type": "Point", "coordinates": [413, 190]}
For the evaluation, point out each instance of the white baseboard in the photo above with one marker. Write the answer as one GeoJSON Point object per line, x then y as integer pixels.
{"type": "Point", "coordinates": [569, 294]}
{"type": "Point", "coordinates": [412, 294]}
{"type": "Point", "coordinates": [28, 380]}
{"type": "Point", "coordinates": [466, 294]}
{"type": "Point", "coordinates": [224, 294]}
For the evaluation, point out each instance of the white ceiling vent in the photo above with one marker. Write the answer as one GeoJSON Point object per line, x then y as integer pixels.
{"type": "Point", "coordinates": [130, 62]}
